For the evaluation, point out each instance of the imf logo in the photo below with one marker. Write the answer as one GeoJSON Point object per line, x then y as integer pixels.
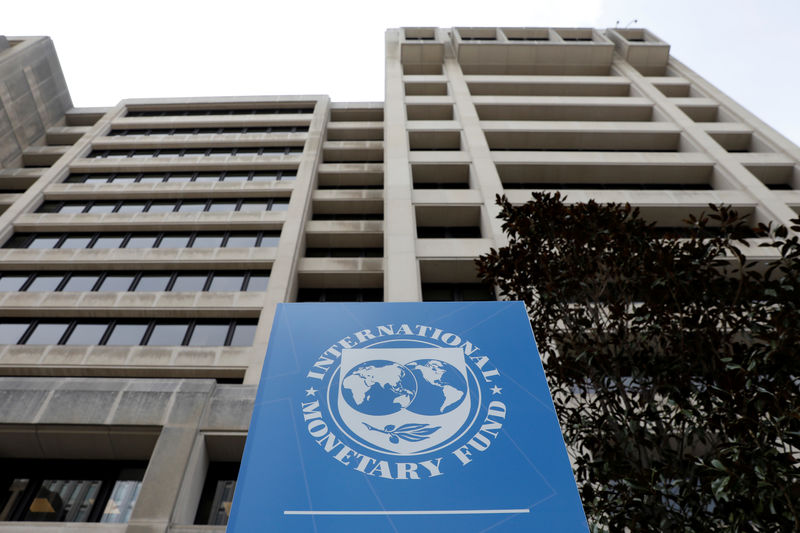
{"type": "Point", "coordinates": [403, 402]}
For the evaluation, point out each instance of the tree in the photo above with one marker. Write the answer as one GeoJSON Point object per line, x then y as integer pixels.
{"type": "Point", "coordinates": [674, 364]}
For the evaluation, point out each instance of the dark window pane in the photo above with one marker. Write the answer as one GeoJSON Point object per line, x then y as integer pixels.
{"type": "Point", "coordinates": [116, 283]}
{"type": "Point", "coordinates": [108, 241]}
{"type": "Point", "coordinates": [45, 282]}
{"type": "Point", "coordinates": [258, 282]}
{"type": "Point", "coordinates": [80, 282]}
{"type": "Point", "coordinates": [226, 282]}
{"type": "Point", "coordinates": [63, 500]}
{"type": "Point", "coordinates": [213, 240]}
{"type": "Point", "coordinates": [209, 335]}
{"type": "Point", "coordinates": [12, 282]}
{"type": "Point", "coordinates": [222, 206]}
{"type": "Point", "coordinates": [179, 240]}
{"type": "Point", "coordinates": [43, 243]}
{"type": "Point", "coordinates": [18, 240]}
{"type": "Point", "coordinates": [241, 240]}
{"type": "Point", "coordinates": [76, 241]}
{"type": "Point", "coordinates": [10, 332]}
{"type": "Point", "coordinates": [141, 241]}
{"type": "Point", "coordinates": [127, 335]}
{"type": "Point", "coordinates": [152, 283]}
{"type": "Point", "coordinates": [243, 335]}
{"type": "Point", "coordinates": [47, 333]}
{"type": "Point", "coordinates": [189, 282]}
{"type": "Point", "coordinates": [167, 335]}
{"type": "Point", "coordinates": [86, 334]}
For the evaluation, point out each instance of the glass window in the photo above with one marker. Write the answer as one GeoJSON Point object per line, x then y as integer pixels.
{"type": "Point", "coordinates": [280, 204]}
{"type": "Point", "coordinates": [217, 495]}
{"type": "Point", "coordinates": [123, 497]}
{"type": "Point", "coordinates": [80, 282]}
{"type": "Point", "coordinates": [131, 207]}
{"type": "Point", "coordinates": [126, 334]}
{"type": "Point", "coordinates": [220, 206]}
{"type": "Point", "coordinates": [235, 177]}
{"type": "Point", "coordinates": [219, 152]}
{"type": "Point", "coordinates": [122, 180]}
{"type": "Point", "coordinates": [185, 282]}
{"type": "Point", "coordinates": [45, 282]}
{"type": "Point", "coordinates": [12, 282]}
{"type": "Point", "coordinates": [161, 207]}
{"type": "Point", "coordinates": [191, 207]}
{"type": "Point", "coordinates": [207, 177]}
{"type": "Point", "coordinates": [241, 240]}
{"type": "Point", "coordinates": [208, 240]}
{"type": "Point", "coordinates": [169, 153]}
{"type": "Point", "coordinates": [141, 241]}
{"type": "Point", "coordinates": [63, 500]}
{"type": "Point", "coordinates": [47, 333]}
{"type": "Point", "coordinates": [151, 179]}
{"type": "Point", "coordinates": [179, 178]}
{"type": "Point", "coordinates": [107, 241]}
{"type": "Point", "coordinates": [243, 335]}
{"type": "Point", "coordinates": [247, 151]}
{"type": "Point", "coordinates": [116, 283]}
{"type": "Point", "coordinates": [258, 282]}
{"type": "Point", "coordinates": [269, 240]}
{"type": "Point", "coordinates": [265, 176]}
{"type": "Point", "coordinates": [174, 240]}
{"type": "Point", "coordinates": [152, 283]}
{"type": "Point", "coordinates": [87, 334]}
{"type": "Point", "coordinates": [102, 207]}
{"type": "Point", "coordinates": [168, 334]}
{"type": "Point", "coordinates": [255, 205]}
{"type": "Point", "coordinates": [42, 242]}
{"type": "Point", "coordinates": [69, 208]}
{"type": "Point", "coordinates": [76, 241]}
{"type": "Point", "coordinates": [226, 282]}
{"type": "Point", "coordinates": [10, 332]}
{"type": "Point", "coordinates": [209, 334]}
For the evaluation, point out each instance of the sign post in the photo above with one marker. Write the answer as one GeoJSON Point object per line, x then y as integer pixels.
{"type": "Point", "coordinates": [404, 417]}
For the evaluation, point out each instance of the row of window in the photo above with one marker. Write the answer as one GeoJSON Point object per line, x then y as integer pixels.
{"type": "Point", "coordinates": [125, 332]}
{"type": "Point", "coordinates": [164, 239]}
{"type": "Point", "coordinates": [204, 112]}
{"type": "Point", "coordinates": [183, 177]}
{"type": "Point", "coordinates": [431, 292]}
{"type": "Point", "coordinates": [222, 205]}
{"type": "Point", "coordinates": [347, 216]}
{"type": "Point", "coordinates": [69, 491]}
{"type": "Point", "coordinates": [195, 152]}
{"type": "Point", "coordinates": [195, 131]}
{"type": "Point", "coordinates": [155, 281]}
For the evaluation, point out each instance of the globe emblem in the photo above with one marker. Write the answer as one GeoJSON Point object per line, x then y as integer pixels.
{"type": "Point", "coordinates": [426, 387]}
{"type": "Point", "coordinates": [379, 387]}
{"type": "Point", "coordinates": [440, 387]}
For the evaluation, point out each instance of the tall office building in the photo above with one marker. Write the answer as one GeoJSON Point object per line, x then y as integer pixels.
{"type": "Point", "coordinates": [145, 246]}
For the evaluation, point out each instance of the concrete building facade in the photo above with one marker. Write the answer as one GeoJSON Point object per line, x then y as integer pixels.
{"type": "Point", "coordinates": [147, 245]}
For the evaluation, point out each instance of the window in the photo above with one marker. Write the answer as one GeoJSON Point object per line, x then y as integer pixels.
{"type": "Point", "coordinates": [344, 252]}
{"type": "Point", "coordinates": [194, 152]}
{"type": "Point", "coordinates": [456, 292]}
{"type": "Point", "coordinates": [217, 495]}
{"type": "Point", "coordinates": [69, 491]}
{"type": "Point", "coordinates": [202, 112]}
{"type": "Point", "coordinates": [182, 177]}
{"type": "Point", "coordinates": [340, 295]}
{"type": "Point", "coordinates": [448, 232]}
{"type": "Point", "coordinates": [212, 131]}
{"type": "Point", "coordinates": [166, 206]}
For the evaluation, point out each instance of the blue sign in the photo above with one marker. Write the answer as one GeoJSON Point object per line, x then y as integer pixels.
{"type": "Point", "coordinates": [404, 417]}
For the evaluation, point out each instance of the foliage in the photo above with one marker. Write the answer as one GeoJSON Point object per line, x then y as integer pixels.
{"type": "Point", "coordinates": [673, 363]}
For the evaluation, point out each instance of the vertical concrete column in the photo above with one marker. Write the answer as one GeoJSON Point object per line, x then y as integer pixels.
{"type": "Point", "coordinates": [283, 277]}
{"type": "Point", "coordinates": [773, 207]}
{"type": "Point", "coordinates": [162, 481]}
{"type": "Point", "coordinates": [401, 279]}
{"type": "Point", "coordinates": [486, 177]}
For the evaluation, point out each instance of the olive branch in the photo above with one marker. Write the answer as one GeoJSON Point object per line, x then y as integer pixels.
{"type": "Point", "coordinates": [407, 432]}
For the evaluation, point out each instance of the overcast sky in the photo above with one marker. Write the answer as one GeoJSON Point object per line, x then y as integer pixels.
{"type": "Point", "coordinates": [111, 50]}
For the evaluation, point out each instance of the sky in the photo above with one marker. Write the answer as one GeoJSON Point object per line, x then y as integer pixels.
{"type": "Point", "coordinates": [112, 50]}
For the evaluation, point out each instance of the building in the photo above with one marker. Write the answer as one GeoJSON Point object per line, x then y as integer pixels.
{"type": "Point", "coordinates": [146, 245]}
